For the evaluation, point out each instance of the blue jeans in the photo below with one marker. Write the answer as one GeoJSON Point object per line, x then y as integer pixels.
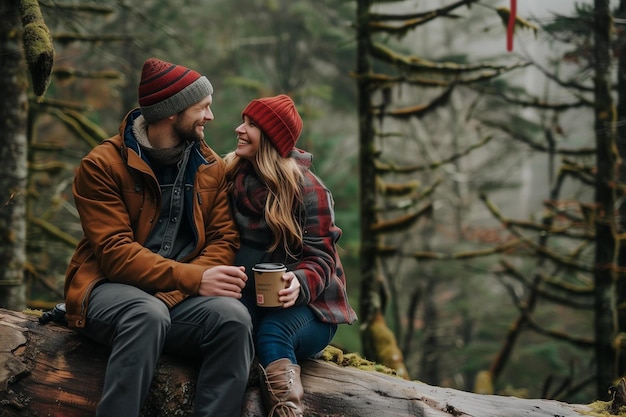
{"type": "Point", "coordinates": [294, 333]}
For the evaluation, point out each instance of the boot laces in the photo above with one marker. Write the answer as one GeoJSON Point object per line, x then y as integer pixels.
{"type": "Point", "coordinates": [276, 384]}
{"type": "Point", "coordinates": [285, 409]}
{"type": "Point", "coordinates": [280, 389]}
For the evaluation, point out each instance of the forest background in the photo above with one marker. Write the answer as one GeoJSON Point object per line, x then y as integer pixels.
{"type": "Point", "coordinates": [464, 159]}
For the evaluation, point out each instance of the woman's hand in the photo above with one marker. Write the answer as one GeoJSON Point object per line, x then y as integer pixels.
{"type": "Point", "coordinates": [290, 293]}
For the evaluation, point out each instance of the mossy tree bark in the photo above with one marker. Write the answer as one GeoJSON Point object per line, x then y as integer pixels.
{"type": "Point", "coordinates": [13, 145]}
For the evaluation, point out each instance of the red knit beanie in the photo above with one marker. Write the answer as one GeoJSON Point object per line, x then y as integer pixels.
{"type": "Point", "coordinates": [278, 119]}
{"type": "Point", "coordinates": [166, 89]}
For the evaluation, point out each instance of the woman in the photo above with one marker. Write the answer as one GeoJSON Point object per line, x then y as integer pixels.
{"type": "Point", "coordinates": [285, 215]}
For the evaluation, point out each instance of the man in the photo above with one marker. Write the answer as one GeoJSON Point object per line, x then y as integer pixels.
{"type": "Point", "coordinates": [154, 272]}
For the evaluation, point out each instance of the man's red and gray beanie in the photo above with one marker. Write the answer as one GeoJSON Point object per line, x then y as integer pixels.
{"type": "Point", "coordinates": [166, 89]}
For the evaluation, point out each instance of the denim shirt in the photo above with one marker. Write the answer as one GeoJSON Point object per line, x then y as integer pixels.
{"type": "Point", "coordinates": [172, 237]}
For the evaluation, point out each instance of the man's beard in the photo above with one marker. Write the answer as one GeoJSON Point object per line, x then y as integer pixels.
{"type": "Point", "coordinates": [187, 133]}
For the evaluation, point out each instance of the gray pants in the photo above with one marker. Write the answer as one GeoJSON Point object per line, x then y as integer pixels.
{"type": "Point", "coordinates": [138, 327]}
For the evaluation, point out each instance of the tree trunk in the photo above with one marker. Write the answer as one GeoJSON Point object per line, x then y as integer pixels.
{"type": "Point", "coordinates": [49, 370]}
{"type": "Point", "coordinates": [607, 244]}
{"type": "Point", "coordinates": [620, 291]}
{"type": "Point", "coordinates": [13, 145]}
{"type": "Point", "coordinates": [378, 341]}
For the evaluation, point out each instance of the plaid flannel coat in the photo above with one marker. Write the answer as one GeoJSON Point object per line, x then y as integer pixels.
{"type": "Point", "coordinates": [318, 266]}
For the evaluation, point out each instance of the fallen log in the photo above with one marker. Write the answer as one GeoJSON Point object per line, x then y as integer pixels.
{"type": "Point", "coordinates": [49, 370]}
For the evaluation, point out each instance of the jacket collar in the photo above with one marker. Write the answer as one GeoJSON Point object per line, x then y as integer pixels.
{"type": "Point", "coordinates": [128, 141]}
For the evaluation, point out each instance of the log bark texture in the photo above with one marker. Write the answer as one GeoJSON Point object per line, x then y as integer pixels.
{"type": "Point", "coordinates": [49, 370]}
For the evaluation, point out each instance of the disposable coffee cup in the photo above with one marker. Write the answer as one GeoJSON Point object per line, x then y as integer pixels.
{"type": "Point", "coordinates": [268, 281]}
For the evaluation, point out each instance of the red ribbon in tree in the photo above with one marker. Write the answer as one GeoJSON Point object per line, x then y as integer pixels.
{"type": "Point", "coordinates": [511, 26]}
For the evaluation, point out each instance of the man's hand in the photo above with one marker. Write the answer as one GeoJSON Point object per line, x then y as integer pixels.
{"type": "Point", "coordinates": [223, 280]}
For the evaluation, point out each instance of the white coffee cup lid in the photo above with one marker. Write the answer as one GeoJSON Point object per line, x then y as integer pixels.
{"type": "Point", "coordinates": [266, 267]}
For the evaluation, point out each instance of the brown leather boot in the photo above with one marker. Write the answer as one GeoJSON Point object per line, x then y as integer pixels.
{"type": "Point", "coordinates": [281, 389]}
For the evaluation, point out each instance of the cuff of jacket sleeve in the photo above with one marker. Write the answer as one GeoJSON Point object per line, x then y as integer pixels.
{"type": "Point", "coordinates": [171, 298]}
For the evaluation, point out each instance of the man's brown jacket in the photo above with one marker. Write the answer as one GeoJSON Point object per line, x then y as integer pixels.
{"type": "Point", "coordinates": [119, 201]}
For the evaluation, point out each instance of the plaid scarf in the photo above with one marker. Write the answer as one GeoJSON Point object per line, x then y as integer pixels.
{"type": "Point", "coordinates": [249, 195]}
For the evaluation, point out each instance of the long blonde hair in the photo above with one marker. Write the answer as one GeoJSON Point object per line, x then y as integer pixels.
{"type": "Point", "coordinates": [284, 179]}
